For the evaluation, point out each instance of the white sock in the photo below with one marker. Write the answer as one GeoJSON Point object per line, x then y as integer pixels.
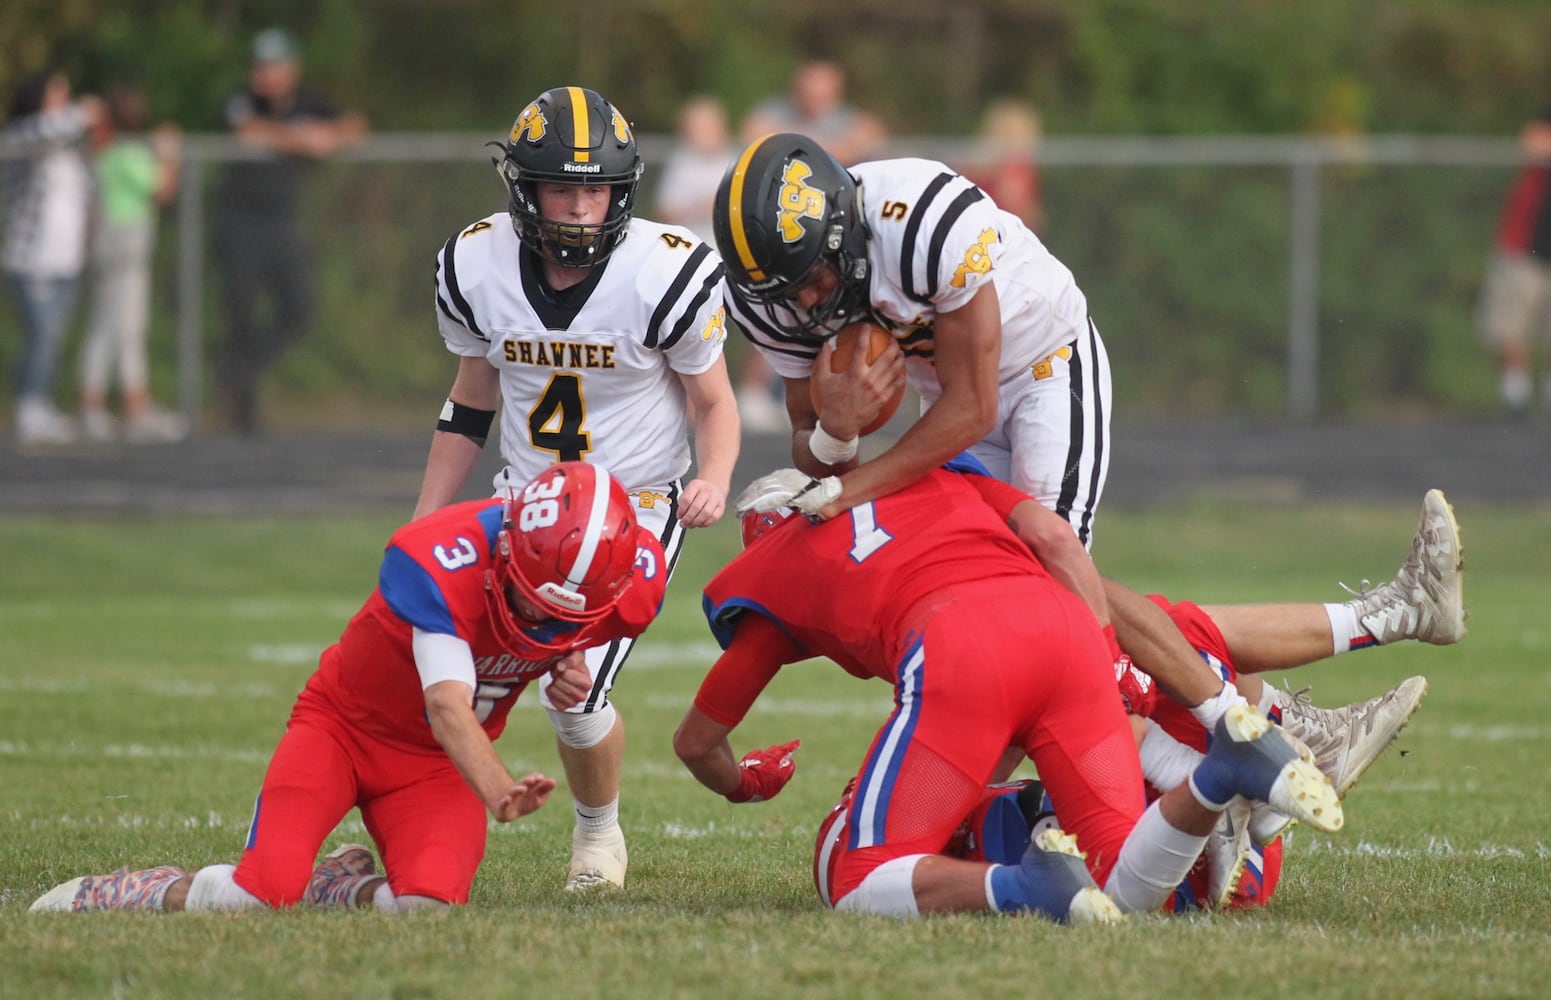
{"type": "Point", "coordinates": [1345, 627]}
{"type": "Point", "coordinates": [1166, 761]}
{"type": "Point", "coordinates": [384, 900]}
{"type": "Point", "coordinates": [1154, 859]}
{"type": "Point", "coordinates": [1209, 711]}
{"type": "Point", "coordinates": [1268, 699]}
{"type": "Point", "coordinates": [887, 891]}
{"type": "Point", "coordinates": [597, 819]}
{"type": "Point", "coordinates": [213, 889]}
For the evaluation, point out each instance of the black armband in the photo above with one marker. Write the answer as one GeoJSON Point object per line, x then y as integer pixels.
{"type": "Point", "coordinates": [471, 423]}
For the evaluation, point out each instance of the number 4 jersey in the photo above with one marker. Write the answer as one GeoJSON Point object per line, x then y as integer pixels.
{"type": "Point", "coordinates": [587, 373]}
{"type": "Point", "coordinates": [433, 578]}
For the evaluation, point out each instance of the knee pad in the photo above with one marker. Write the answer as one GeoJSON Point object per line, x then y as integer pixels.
{"type": "Point", "coordinates": [213, 889]}
{"type": "Point", "coordinates": [887, 891]}
{"type": "Point", "coordinates": [580, 730]}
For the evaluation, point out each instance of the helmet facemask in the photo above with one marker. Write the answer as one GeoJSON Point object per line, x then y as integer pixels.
{"type": "Point", "coordinates": [563, 243]}
{"type": "Point", "coordinates": [566, 547]}
{"type": "Point", "coordinates": [569, 135]}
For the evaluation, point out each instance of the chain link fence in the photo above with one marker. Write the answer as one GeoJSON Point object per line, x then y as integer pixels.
{"type": "Point", "coordinates": [1281, 278]}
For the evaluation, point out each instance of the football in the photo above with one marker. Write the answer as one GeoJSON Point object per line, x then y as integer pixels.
{"type": "Point", "coordinates": [878, 341]}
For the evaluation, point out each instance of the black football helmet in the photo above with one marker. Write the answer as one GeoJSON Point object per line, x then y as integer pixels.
{"type": "Point", "coordinates": [570, 135]}
{"type": "Point", "coordinates": [784, 209]}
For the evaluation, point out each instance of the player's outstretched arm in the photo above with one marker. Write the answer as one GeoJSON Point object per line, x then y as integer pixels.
{"type": "Point", "coordinates": [968, 347]}
{"type": "Point", "coordinates": [1156, 644]}
{"type": "Point", "coordinates": [450, 708]}
{"type": "Point", "coordinates": [717, 434]}
{"type": "Point", "coordinates": [701, 743]}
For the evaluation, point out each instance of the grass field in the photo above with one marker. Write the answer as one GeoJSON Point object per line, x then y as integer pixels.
{"type": "Point", "coordinates": [147, 666]}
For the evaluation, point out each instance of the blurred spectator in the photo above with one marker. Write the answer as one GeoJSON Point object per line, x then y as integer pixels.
{"type": "Point", "coordinates": [815, 106]}
{"type": "Point", "coordinates": [684, 196]}
{"type": "Point", "coordinates": [47, 208]}
{"type": "Point", "coordinates": [1515, 308]}
{"type": "Point", "coordinates": [263, 258]}
{"type": "Point", "coordinates": [1006, 162]}
{"type": "Point", "coordinates": [694, 168]}
{"type": "Point", "coordinates": [133, 178]}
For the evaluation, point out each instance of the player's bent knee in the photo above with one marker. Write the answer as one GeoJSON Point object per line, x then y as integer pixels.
{"type": "Point", "coordinates": [579, 730]}
{"type": "Point", "coordinates": [887, 891]}
{"type": "Point", "coordinates": [214, 889]}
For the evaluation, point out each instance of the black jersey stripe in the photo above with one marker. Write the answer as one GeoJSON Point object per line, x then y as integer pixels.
{"type": "Point", "coordinates": [687, 320]}
{"type": "Point", "coordinates": [680, 282]}
{"type": "Point", "coordinates": [766, 346]}
{"type": "Point", "coordinates": [1095, 484]}
{"type": "Point", "coordinates": [907, 252]}
{"type": "Point", "coordinates": [758, 317]}
{"type": "Point", "coordinates": [1070, 477]}
{"type": "Point", "coordinates": [672, 539]}
{"type": "Point", "coordinates": [450, 273]}
{"type": "Point", "coordinates": [940, 236]}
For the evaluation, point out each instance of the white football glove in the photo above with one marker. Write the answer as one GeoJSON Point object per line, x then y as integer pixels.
{"type": "Point", "coordinates": [789, 488]}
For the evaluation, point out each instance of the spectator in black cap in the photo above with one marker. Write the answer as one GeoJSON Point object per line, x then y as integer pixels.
{"type": "Point", "coordinates": [261, 253]}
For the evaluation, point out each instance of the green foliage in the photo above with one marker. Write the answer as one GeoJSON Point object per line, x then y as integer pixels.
{"type": "Point", "coordinates": [1185, 268]}
{"type": "Point", "coordinates": [144, 697]}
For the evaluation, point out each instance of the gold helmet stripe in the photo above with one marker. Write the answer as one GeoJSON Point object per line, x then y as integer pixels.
{"type": "Point", "coordinates": [740, 237]}
{"type": "Point", "coordinates": [582, 140]}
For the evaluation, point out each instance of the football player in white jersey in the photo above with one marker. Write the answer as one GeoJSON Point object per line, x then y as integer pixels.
{"type": "Point", "coordinates": [995, 332]}
{"type": "Point", "coordinates": [599, 337]}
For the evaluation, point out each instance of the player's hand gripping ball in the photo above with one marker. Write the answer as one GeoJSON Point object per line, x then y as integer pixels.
{"type": "Point", "coordinates": [878, 341]}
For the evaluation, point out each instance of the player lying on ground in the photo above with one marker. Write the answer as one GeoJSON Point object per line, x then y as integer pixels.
{"type": "Point", "coordinates": [1242, 859]}
{"type": "Point", "coordinates": [927, 589]}
{"type": "Point", "coordinates": [473, 603]}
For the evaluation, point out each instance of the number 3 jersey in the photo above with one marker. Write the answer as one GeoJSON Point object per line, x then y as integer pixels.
{"type": "Point", "coordinates": [433, 578]}
{"type": "Point", "coordinates": [588, 373]}
{"type": "Point", "coordinates": [934, 240]}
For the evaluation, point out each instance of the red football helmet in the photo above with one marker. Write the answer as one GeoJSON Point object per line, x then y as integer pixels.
{"type": "Point", "coordinates": [755, 523]}
{"type": "Point", "coordinates": [568, 545]}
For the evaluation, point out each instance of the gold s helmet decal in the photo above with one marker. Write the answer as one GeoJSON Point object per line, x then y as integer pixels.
{"type": "Point", "coordinates": [530, 123]}
{"type": "Point", "coordinates": [796, 201]}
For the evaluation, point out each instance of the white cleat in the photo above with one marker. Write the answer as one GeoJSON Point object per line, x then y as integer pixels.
{"type": "Point", "coordinates": [1346, 741]}
{"type": "Point", "coordinates": [597, 860]}
{"type": "Point", "coordinates": [1227, 851]}
{"type": "Point", "coordinates": [60, 899]}
{"type": "Point", "coordinates": [1426, 600]}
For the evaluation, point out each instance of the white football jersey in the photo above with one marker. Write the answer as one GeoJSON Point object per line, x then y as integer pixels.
{"type": "Point", "coordinates": [588, 374]}
{"type": "Point", "coordinates": [935, 238]}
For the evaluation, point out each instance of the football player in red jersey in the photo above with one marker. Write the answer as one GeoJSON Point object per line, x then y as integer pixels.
{"type": "Point", "coordinates": [985, 651]}
{"type": "Point", "coordinates": [1242, 860]}
{"type": "Point", "coordinates": [473, 603]}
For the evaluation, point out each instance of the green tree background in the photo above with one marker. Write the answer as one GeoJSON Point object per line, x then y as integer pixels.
{"type": "Point", "coordinates": [1185, 268]}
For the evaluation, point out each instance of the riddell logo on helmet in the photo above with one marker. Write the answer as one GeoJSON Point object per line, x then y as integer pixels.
{"type": "Point", "coordinates": [567, 599]}
{"type": "Point", "coordinates": [581, 168]}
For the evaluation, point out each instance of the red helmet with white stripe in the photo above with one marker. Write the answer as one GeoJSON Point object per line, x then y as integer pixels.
{"type": "Point", "coordinates": [567, 545]}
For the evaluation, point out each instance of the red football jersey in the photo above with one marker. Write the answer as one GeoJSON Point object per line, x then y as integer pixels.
{"type": "Point", "coordinates": [433, 578]}
{"type": "Point", "coordinates": [935, 533]}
